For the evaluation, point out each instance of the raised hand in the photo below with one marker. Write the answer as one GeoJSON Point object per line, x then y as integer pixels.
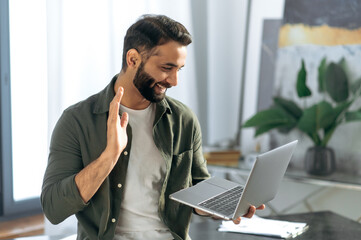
{"type": "Point", "coordinates": [89, 179]}
{"type": "Point", "coordinates": [116, 127]}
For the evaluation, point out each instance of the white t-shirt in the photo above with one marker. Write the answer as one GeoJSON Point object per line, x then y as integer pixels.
{"type": "Point", "coordinates": [139, 218]}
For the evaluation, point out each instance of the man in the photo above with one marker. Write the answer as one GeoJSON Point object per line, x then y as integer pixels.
{"type": "Point", "coordinates": [114, 176]}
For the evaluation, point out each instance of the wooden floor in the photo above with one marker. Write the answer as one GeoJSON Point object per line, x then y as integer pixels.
{"type": "Point", "coordinates": [24, 227]}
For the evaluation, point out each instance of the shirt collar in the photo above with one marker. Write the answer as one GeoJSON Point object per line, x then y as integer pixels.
{"type": "Point", "coordinates": [105, 97]}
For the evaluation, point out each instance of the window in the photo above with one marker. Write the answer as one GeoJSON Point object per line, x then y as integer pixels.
{"type": "Point", "coordinates": [29, 111]}
{"type": "Point", "coordinates": [23, 105]}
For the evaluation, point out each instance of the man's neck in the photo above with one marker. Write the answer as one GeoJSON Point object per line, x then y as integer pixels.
{"type": "Point", "coordinates": [132, 97]}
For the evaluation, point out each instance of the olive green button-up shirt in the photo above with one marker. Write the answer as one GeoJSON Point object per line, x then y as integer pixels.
{"type": "Point", "coordinates": [79, 138]}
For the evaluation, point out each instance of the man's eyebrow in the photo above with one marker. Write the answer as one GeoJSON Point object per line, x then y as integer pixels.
{"type": "Point", "coordinates": [173, 65]}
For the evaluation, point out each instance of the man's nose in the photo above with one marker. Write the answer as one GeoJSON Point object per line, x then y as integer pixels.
{"type": "Point", "coordinates": [173, 78]}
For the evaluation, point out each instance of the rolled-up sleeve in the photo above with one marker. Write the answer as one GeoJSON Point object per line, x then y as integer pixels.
{"type": "Point", "coordinates": [60, 197]}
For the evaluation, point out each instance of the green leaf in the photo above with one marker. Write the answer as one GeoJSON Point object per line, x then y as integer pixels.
{"type": "Point", "coordinates": [287, 129]}
{"type": "Point", "coordinates": [281, 127]}
{"type": "Point", "coordinates": [273, 116]}
{"type": "Point", "coordinates": [289, 106]}
{"type": "Point", "coordinates": [336, 83]}
{"type": "Point", "coordinates": [265, 128]}
{"type": "Point", "coordinates": [324, 115]}
{"type": "Point", "coordinates": [337, 112]}
{"type": "Point", "coordinates": [301, 87]}
{"type": "Point", "coordinates": [307, 122]}
{"type": "Point", "coordinates": [270, 119]}
{"type": "Point", "coordinates": [339, 109]}
{"type": "Point", "coordinates": [321, 75]}
{"type": "Point", "coordinates": [328, 134]}
{"type": "Point", "coordinates": [316, 117]}
{"type": "Point", "coordinates": [353, 116]}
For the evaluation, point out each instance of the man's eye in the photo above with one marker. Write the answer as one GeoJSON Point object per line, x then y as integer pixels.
{"type": "Point", "coordinates": [167, 68]}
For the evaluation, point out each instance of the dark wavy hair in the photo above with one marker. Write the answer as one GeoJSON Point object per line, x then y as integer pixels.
{"type": "Point", "coordinates": [151, 31]}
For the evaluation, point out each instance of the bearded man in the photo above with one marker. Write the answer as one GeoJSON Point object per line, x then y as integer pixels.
{"type": "Point", "coordinates": [117, 156]}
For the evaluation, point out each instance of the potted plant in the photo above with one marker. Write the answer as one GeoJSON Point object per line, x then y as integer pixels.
{"type": "Point", "coordinates": [318, 121]}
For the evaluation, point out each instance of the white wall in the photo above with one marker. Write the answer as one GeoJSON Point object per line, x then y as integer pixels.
{"type": "Point", "coordinates": [226, 34]}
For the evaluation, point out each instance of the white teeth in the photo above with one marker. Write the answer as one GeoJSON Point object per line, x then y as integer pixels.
{"type": "Point", "coordinates": [160, 86]}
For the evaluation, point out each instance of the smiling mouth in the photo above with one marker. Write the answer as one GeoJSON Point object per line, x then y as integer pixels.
{"type": "Point", "coordinates": [161, 88]}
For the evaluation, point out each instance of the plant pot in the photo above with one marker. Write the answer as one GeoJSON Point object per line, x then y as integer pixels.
{"type": "Point", "coordinates": [320, 160]}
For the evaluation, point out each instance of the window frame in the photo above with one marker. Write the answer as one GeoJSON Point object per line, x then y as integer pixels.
{"type": "Point", "coordinates": [9, 208]}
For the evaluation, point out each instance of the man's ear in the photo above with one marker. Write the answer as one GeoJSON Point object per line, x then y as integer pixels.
{"type": "Point", "coordinates": [133, 58]}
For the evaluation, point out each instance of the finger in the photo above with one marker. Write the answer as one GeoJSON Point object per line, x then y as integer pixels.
{"type": "Point", "coordinates": [124, 120]}
{"type": "Point", "coordinates": [262, 207]}
{"type": "Point", "coordinates": [114, 105]}
{"type": "Point", "coordinates": [251, 211]}
{"type": "Point", "coordinates": [119, 94]}
{"type": "Point", "coordinates": [237, 221]}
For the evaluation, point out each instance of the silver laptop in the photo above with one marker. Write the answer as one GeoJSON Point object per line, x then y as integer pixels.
{"type": "Point", "coordinates": [229, 200]}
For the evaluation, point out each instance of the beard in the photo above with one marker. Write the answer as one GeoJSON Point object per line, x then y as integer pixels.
{"type": "Point", "coordinates": [143, 82]}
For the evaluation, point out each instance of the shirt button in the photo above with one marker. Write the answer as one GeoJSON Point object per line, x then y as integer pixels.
{"type": "Point", "coordinates": [119, 185]}
{"type": "Point", "coordinates": [125, 153]}
{"type": "Point", "coordinates": [113, 220]}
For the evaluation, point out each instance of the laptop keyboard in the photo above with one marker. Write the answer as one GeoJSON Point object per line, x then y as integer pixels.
{"type": "Point", "coordinates": [224, 203]}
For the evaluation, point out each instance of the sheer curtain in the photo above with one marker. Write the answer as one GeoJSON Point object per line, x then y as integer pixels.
{"type": "Point", "coordinates": [85, 43]}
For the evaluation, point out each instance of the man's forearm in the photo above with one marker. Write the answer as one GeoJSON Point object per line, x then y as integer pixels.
{"type": "Point", "coordinates": [92, 176]}
{"type": "Point", "coordinates": [89, 179]}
